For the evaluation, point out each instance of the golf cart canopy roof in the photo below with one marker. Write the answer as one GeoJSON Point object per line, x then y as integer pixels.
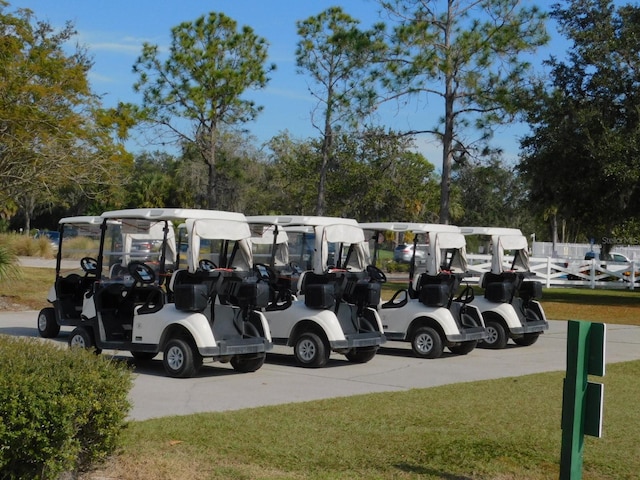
{"type": "Point", "coordinates": [490, 231]}
{"type": "Point", "coordinates": [409, 227]}
{"type": "Point", "coordinates": [86, 220]}
{"type": "Point", "coordinates": [298, 220]}
{"type": "Point", "coordinates": [172, 214]}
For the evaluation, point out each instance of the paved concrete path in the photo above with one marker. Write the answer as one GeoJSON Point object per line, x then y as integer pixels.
{"type": "Point", "coordinates": [219, 388]}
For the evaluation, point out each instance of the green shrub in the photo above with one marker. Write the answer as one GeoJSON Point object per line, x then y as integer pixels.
{"type": "Point", "coordinates": [392, 267]}
{"type": "Point", "coordinates": [60, 409]}
{"type": "Point", "coordinates": [8, 264]}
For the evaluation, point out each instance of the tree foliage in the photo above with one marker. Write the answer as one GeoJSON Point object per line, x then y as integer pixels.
{"type": "Point", "coordinates": [466, 54]}
{"type": "Point", "coordinates": [373, 175]}
{"type": "Point", "coordinates": [582, 160]}
{"type": "Point", "coordinates": [50, 136]}
{"type": "Point", "coordinates": [198, 89]}
{"type": "Point", "coordinates": [492, 194]}
{"type": "Point", "coordinates": [337, 55]}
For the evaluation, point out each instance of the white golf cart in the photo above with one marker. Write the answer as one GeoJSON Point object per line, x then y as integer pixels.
{"type": "Point", "coordinates": [510, 305]}
{"type": "Point", "coordinates": [187, 314]}
{"type": "Point", "coordinates": [427, 314]}
{"type": "Point", "coordinates": [323, 292]}
{"type": "Point", "coordinates": [78, 244]}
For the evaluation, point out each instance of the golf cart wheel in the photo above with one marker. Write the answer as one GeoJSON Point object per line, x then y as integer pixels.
{"type": "Point", "coordinates": [143, 355]}
{"type": "Point", "coordinates": [527, 339]}
{"type": "Point", "coordinates": [82, 337]}
{"type": "Point", "coordinates": [47, 324]}
{"type": "Point", "coordinates": [248, 363]}
{"type": "Point", "coordinates": [180, 359]}
{"type": "Point", "coordinates": [310, 351]}
{"type": "Point", "coordinates": [497, 336]}
{"type": "Point", "coordinates": [426, 343]}
{"type": "Point", "coordinates": [464, 347]}
{"type": "Point", "coordinates": [361, 355]}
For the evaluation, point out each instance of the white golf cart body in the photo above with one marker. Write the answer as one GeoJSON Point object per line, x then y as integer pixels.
{"type": "Point", "coordinates": [78, 244]}
{"type": "Point", "coordinates": [316, 266]}
{"type": "Point", "coordinates": [151, 307]}
{"type": "Point", "coordinates": [510, 304]}
{"type": "Point", "coordinates": [426, 313]}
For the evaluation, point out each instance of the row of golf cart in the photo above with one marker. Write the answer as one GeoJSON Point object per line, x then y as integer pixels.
{"type": "Point", "coordinates": [194, 284]}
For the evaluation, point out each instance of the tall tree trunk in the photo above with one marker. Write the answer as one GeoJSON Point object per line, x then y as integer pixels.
{"type": "Point", "coordinates": [327, 143]}
{"type": "Point", "coordinates": [212, 200]}
{"type": "Point", "coordinates": [447, 139]}
{"type": "Point", "coordinates": [554, 232]}
{"type": "Point", "coordinates": [28, 204]}
{"type": "Point", "coordinates": [447, 156]}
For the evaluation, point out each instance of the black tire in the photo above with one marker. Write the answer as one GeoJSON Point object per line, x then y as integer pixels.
{"type": "Point", "coordinates": [181, 359]}
{"type": "Point", "coordinates": [143, 355]}
{"type": "Point", "coordinates": [310, 351]}
{"type": "Point", "coordinates": [426, 343]}
{"type": "Point", "coordinates": [82, 337]}
{"type": "Point", "coordinates": [47, 324]}
{"type": "Point", "coordinates": [361, 355]}
{"type": "Point", "coordinates": [497, 338]}
{"type": "Point", "coordinates": [248, 364]}
{"type": "Point", "coordinates": [464, 347]}
{"type": "Point", "coordinates": [527, 339]}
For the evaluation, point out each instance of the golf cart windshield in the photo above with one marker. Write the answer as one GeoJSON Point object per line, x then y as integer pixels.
{"type": "Point", "coordinates": [129, 240]}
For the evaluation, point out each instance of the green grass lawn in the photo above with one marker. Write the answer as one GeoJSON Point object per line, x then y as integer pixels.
{"type": "Point", "coordinates": [496, 429]}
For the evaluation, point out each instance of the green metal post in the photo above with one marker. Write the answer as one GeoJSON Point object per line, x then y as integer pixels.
{"type": "Point", "coordinates": [585, 355]}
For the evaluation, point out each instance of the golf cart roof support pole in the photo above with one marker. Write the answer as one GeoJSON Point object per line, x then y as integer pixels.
{"type": "Point", "coordinates": [376, 245]}
{"type": "Point", "coordinates": [59, 252]}
{"type": "Point", "coordinates": [103, 228]}
{"type": "Point", "coordinates": [412, 265]}
{"type": "Point", "coordinates": [163, 254]}
{"type": "Point", "coordinates": [274, 246]}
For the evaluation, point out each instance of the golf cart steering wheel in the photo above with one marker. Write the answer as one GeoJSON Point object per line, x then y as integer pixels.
{"type": "Point", "coordinates": [207, 265]}
{"type": "Point", "coordinates": [260, 268]}
{"type": "Point", "coordinates": [467, 295]}
{"type": "Point", "coordinates": [376, 274]}
{"type": "Point", "coordinates": [295, 267]}
{"type": "Point", "coordinates": [141, 272]}
{"type": "Point", "coordinates": [89, 265]}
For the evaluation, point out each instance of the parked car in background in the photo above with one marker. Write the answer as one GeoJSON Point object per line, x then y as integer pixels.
{"type": "Point", "coordinates": [610, 257]}
{"type": "Point", "coordinates": [403, 253]}
{"type": "Point", "coordinates": [51, 235]}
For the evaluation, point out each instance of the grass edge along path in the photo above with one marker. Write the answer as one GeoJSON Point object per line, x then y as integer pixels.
{"type": "Point", "coordinates": [496, 429]}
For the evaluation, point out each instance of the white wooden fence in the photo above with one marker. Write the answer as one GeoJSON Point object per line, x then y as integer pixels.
{"type": "Point", "coordinates": [557, 272]}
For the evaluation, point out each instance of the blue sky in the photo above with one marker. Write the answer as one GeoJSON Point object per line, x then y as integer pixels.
{"type": "Point", "coordinates": [113, 31]}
